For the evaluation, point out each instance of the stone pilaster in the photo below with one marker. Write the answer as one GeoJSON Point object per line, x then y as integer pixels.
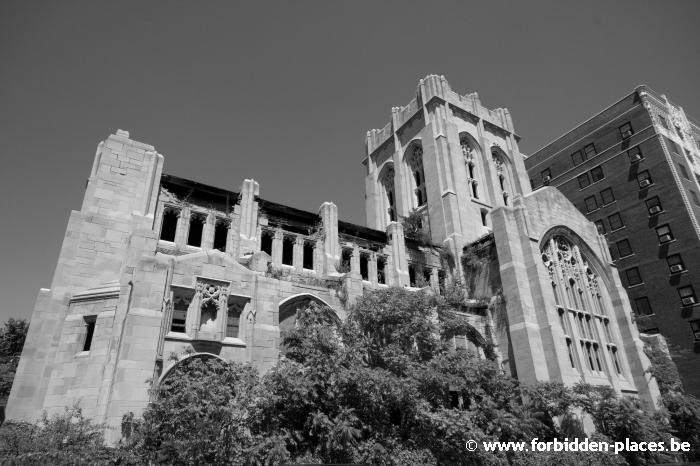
{"type": "Point", "coordinates": [248, 228]}
{"type": "Point", "coordinates": [277, 247]}
{"type": "Point", "coordinates": [208, 232]}
{"type": "Point", "coordinates": [399, 259]}
{"type": "Point", "coordinates": [298, 253]}
{"type": "Point", "coordinates": [331, 248]}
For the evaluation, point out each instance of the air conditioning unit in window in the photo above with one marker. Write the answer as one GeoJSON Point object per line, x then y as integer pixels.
{"type": "Point", "coordinates": [688, 301]}
{"type": "Point", "coordinates": [547, 179]}
{"type": "Point", "coordinates": [644, 183]}
{"type": "Point", "coordinates": [665, 238]}
{"type": "Point", "coordinates": [654, 210]}
{"type": "Point", "coordinates": [626, 134]}
{"type": "Point", "coordinates": [676, 268]}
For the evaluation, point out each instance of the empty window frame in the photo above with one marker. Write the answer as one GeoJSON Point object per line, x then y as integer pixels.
{"type": "Point", "coordinates": [644, 179]}
{"type": "Point", "coordinates": [220, 234]}
{"type": "Point", "coordinates": [288, 250]}
{"type": "Point", "coordinates": [642, 306]}
{"type": "Point", "coordinates": [600, 226]}
{"type": "Point", "coordinates": [583, 180]}
{"type": "Point", "coordinates": [577, 158]}
{"type": "Point", "coordinates": [664, 233]}
{"type": "Point", "coordinates": [89, 331]}
{"type": "Point", "coordinates": [266, 241]}
{"type": "Point", "coordinates": [675, 263]}
{"type": "Point", "coordinates": [589, 150]}
{"type": "Point", "coordinates": [624, 248]}
{"type": "Point", "coordinates": [684, 171]}
{"type": "Point", "coordinates": [654, 205]}
{"type": "Point", "coordinates": [626, 130]}
{"type": "Point", "coordinates": [635, 154]}
{"type": "Point", "coordinates": [633, 276]}
{"type": "Point", "coordinates": [168, 226]}
{"type": "Point", "coordinates": [687, 295]}
{"type": "Point", "coordinates": [597, 174]}
{"type": "Point", "coordinates": [695, 328]}
{"type": "Point", "coordinates": [607, 196]}
{"type": "Point", "coordinates": [591, 203]}
{"type": "Point", "coordinates": [308, 255]}
{"type": "Point", "coordinates": [615, 221]}
{"type": "Point", "coordinates": [364, 266]}
{"type": "Point", "coordinates": [194, 237]}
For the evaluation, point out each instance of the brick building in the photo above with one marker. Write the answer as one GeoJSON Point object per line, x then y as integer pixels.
{"type": "Point", "coordinates": [155, 268]}
{"type": "Point", "coordinates": [633, 170]}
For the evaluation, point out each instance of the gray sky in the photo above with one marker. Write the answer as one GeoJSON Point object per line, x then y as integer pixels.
{"type": "Point", "coordinates": [284, 92]}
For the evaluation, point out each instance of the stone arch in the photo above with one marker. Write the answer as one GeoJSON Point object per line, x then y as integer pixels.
{"type": "Point", "coordinates": [288, 309]}
{"type": "Point", "coordinates": [413, 161]}
{"type": "Point", "coordinates": [167, 371]}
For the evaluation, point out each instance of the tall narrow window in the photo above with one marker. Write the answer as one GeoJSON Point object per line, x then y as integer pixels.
{"type": "Point", "coordinates": [168, 227]}
{"type": "Point", "coordinates": [570, 350]}
{"type": "Point", "coordinates": [441, 282]}
{"type": "Point", "coordinates": [194, 237]}
{"type": "Point", "coordinates": [266, 242]}
{"type": "Point", "coordinates": [484, 212]}
{"type": "Point", "coordinates": [288, 250]}
{"type": "Point", "coordinates": [346, 260]}
{"type": "Point", "coordinates": [181, 299]}
{"type": "Point", "coordinates": [416, 164]}
{"type": "Point", "coordinates": [236, 304]}
{"type": "Point", "coordinates": [89, 331]}
{"type": "Point", "coordinates": [364, 266]}
{"type": "Point", "coordinates": [381, 273]}
{"type": "Point", "coordinates": [308, 262]}
{"type": "Point", "coordinates": [412, 275]}
{"type": "Point", "coordinates": [475, 191]}
{"type": "Point", "coordinates": [220, 234]}
{"type": "Point", "coordinates": [616, 361]}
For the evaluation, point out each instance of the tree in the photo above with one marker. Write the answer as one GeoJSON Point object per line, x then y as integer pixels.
{"type": "Point", "coordinates": [12, 338]}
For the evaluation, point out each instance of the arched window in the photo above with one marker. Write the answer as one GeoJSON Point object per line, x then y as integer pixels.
{"type": "Point", "coordinates": [503, 172]}
{"type": "Point", "coordinates": [387, 201]}
{"type": "Point", "coordinates": [415, 162]}
{"type": "Point", "coordinates": [582, 302]}
{"type": "Point", "coordinates": [469, 156]}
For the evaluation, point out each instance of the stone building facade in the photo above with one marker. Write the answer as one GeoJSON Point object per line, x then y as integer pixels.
{"type": "Point", "coordinates": [155, 268]}
{"type": "Point", "coordinates": [633, 170]}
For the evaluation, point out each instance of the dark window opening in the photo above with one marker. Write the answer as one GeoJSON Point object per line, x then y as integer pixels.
{"type": "Point", "coordinates": [266, 242]}
{"type": "Point", "coordinates": [484, 212]}
{"type": "Point", "coordinates": [624, 248]}
{"type": "Point", "coordinates": [381, 274]}
{"type": "Point", "coordinates": [591, 203]}
{"type": "Point", "coordinates": [607, 196]}
{"type": "Point", "coordinates": [288, 250]}
{"type": "Point", "coordinates": [364, 266]}
{"type": "Point", "coordinates": [597, 174]}
{"type": "Point", "coordinates": [471, 170]}
{"type": "Point", "coordinates": [441, 281]}
{"type": "Point", "coordinates": [675, 263]}
{"type": "Point", "coordinates": [220, 235]}
{"type": "Point", "coordinates": [642, 306]}
{"type": "Point", "coordinates": [600, 226]}
{"type": "Point", "coordinates": [169, 225]}
{"type": "Point", "coordinates": [633, 276]}
{"type": "Point", "coordinates": [626, 130]}
{"type": "Point", "coordinates": [475, 192]}
{"type": "Point", "coordinates": [654, 205]}
{"type": "Point", "coordinates": [664, 233]}
{"type": "Point", "coordinates": [615, 221]}
{"type": "Point", "coordinates": [345, 261]}
{"type": "Point", "coordinates": [308, 262]}
{"type": "Point", "coordinates": [583, 180]}
{"type": "Point", "coordinates": [194, 238]}
{"type": "Point", "coordinates": [577, 158]}
{"type": "Point", "coordinates": [182, 298]}
{"type": "Point", "coordinates": [590, 150]}
{"type": "Point", "coordinates": [635, 154]}
{"type": "Point", "coordinates": [89, 331]}
{"type": "Point", "coordinates": [505, 198]}
{"type": "Point", "coordinates": [426, 276]}
{"type": "Point", "coordinates": [412, 275]}
{"type": "Point", "coordinates": [501, 181]}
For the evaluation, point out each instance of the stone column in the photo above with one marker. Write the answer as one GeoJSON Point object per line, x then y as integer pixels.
{"type": "Point", "coordinates": [331, 248]}
{"type": "Point", "coordinates": [183, 227]}
{"type": "Point", "coordinates": [277, 247]}
{"type": "Point", "coordinates": [298, 253]}
{"type": "Point", "coordinates": [372, 268]}
{"type": "Point", "coordinates": [249, 217]}
{"type": "Point", "coordinates": [208, 231]}
{"type": "Point", "coordinates": [399, 258]}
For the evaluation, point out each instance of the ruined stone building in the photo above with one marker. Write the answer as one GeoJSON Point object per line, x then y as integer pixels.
{"type": "Point", "coordinates": [633, 170]}
{"type": "Point", "coordinates": [155, 268]}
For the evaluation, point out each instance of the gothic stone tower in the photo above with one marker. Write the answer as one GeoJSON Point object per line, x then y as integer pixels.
{"type": "Point", "coordinates": [457, 163]}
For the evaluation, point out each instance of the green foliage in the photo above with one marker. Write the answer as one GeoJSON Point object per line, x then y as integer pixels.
{"type": "Point", "coordinates": [413, 227]}
{"type": "Point", "coordinates": [12, 338]}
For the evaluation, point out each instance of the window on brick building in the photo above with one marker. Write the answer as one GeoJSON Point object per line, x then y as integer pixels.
{"type": "Point", "coordinates": [635, 154]}
{"type": "Point", "coordinates": [615, 221]}
{"type": "Point", "coordinates": [664, 233]}
{"type": "Point", "coordinates": [600, 226]}
{"type": "Point", "coordinates": [675, 263]}
{"type": "Point", "coordinates": [607, 196]}
{"type": "Point", "coordinates": [589, 150]}
{"type": "Point", "coordinates": [624, 248]}
{"type": "Point", "coordinates": [644, 179]}
{"type": "Point", "coordinates": [687, 295]}
{"type": "Point", "coordinates": [583, 180]}
{"type": "Point", "coordinates": [308, 260]}
{"type": "Point", "coordinates": [626, 130]}
{"type": "Point", "coordinates": [168, 227]}
{"type": "Point", "coordinates": [220, 234]}
{"type": "Point", "coordinates": [695, 328]}
{"type": "Point", "coordinates": [642, 306]}
{"type": "Point", "coordinates": [591, 203]}
{"type": "Point", "coordinates": [89, 331]}
{"type": "Point", "coordinates": [654, 205]}
{"type": "Point", "coordinates": [683, 171]}
{"type": "Point", "coordinates": [484, 213]}
{"type": "Point", "coordinates": [597, 174]}
{"type": "Point", "coordinates": [194, 237]}
{"type": "Point", "coordinates": [633, 276]}
{"type": "Point", "coordinates": [577, 158]}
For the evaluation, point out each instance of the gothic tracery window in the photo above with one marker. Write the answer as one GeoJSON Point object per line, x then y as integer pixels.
{"type": "Point", "coordinates": [415, 162]}
{"type": "Point", "coordinates": [468, 155]}
{"type": "Point", "coordinates": [581, 307]}
{"type": "Point", "coordinates": [386, 180]}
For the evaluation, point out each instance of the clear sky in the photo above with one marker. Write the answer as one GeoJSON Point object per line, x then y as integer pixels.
{"type": "Point", "coordinates": [284, 92]}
